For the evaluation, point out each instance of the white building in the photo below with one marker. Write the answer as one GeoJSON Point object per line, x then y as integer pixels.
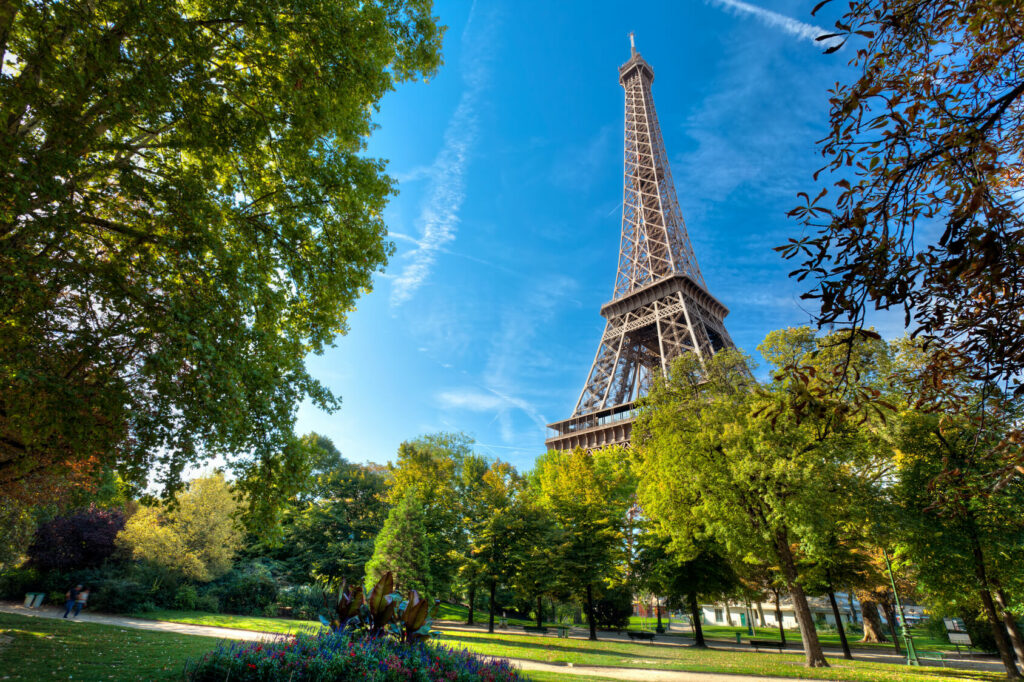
{"type": "Point", "coordinates": [763, 614]}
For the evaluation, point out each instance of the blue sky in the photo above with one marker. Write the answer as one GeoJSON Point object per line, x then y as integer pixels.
{"type": "Point", "coordinates": [506, 229]}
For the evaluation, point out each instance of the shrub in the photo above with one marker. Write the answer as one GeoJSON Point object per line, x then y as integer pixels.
{"type": "Point", "coordinates": [343, 656]}
{"type": "Point", "coordinates": [247, 590]}
{"type": "Point", "coordinates": [81, 540]}
{"type": "Point", "coordinates": [15, 582]}
{"type": "Point", "coordinates": [305, 601]}
{"type": "Point", "coordinates": [117, 595]}
{"type": "Point", "coordinates": [186, 597]}
{"type": "Point", "coordinates": [208, 603]}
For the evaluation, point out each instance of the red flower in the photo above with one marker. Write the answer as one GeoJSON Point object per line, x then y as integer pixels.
{"type": "Point", "coordinates": [252, 666]}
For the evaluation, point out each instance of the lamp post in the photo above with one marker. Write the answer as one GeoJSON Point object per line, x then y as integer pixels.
{"type": "Point", "coordinates": [908, 640]}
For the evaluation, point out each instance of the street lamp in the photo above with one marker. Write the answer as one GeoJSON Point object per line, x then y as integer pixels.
{"type": "Point", "coordinates": [908, 640]}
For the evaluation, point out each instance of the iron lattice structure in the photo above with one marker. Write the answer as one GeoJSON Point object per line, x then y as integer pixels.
{"type": "Point", "coordinates": [661, 307]}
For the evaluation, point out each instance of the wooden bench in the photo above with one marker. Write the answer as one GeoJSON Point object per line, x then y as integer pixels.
{"type": "Point", "coordinates": [634, 634]}
{"type": "Point", "coordinates": [533, 628]}
{"type": "Point", "coordinates": [759, 644]}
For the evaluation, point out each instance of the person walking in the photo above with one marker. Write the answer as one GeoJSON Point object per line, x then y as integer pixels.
{"type": "Point", "coordinates": [83, 596]}
{"type": "Point", "coordinates": [71, 599]}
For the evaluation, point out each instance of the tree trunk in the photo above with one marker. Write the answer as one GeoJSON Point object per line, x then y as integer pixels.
{"type": "Point", "coordinates": [849, 605]}
{"type": "Point", "coordinates": [728, 614]}
{"type": "Point", "coordinates": [839, 625]}
{"type": "Point", "coordinates": [998, 633]}
{"type": "Point", "coordinates": [472, 598]}
{"type": "Point", "coordinates": [490, 607]}
{"type": "Point", "coordinates": [698, 631]}
{"type": "Point", "coordinates": [873, 631]}
{"type": "Point", "coordinates": [778, 616]}
{"type": "Point", "coordinates": [890, 615]}
{"type": "Point", "coordinates": [540, 613]}
{"type": "Point", "coordinates": [1009, 620]}
{"type": "Point", "coordinates": [813, 655]}
{"type": "Point", "coordinates": [760, 613]}
{"type": "Point", "coordinates": [590, 612]}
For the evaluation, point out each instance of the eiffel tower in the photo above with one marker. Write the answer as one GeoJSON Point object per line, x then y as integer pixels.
{"type": "Point", "coordinates": [661, 307]}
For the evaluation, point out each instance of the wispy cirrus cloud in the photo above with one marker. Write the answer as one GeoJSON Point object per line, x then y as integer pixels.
{"type": "Point", "coordinates": [439, 214]}
{"type": "Point", "coordinates": [789, 25]}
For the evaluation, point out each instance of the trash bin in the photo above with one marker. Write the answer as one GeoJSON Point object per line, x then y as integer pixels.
{"type": "Point", "coordinates": [38, 601]}
{"type": "Point", "coordinates": [29, 598]}
{"type": "Point", "coordinates": [738, 638]}
{"type": "Point", "coordinates": [34, 600]}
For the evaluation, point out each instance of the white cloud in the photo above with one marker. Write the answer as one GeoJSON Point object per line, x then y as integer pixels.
{"type": "Point", "coordinates": [771, 19]}
{"type": "Point", "coordinates": [439, 215]}
{"type": "Point", "coordinates": [470, 399]}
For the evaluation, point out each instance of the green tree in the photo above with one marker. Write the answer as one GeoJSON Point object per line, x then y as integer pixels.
{"type": "Point", "coordinates": [924, 138]}
{"type": "Point", "coordinates": [16, 527]}
{"type": "Point", "coordinates": [684, 575]}
{"type": "Point", "coordinates": [197, 535]}
{"type": "Point", "coordinates": [331, 534]}
{"type": "Point", "coordinates": [753, 467]}
{"type": "Point", "coordinates": [588, 495]}
{"type": "Point", "coordinates": [536, 572]}
{"type": "Point", "coordinates": [963, 536]}
{"type": "Point", "coordinates": [403, 547]}
{"type": "Point", "coordinates": [448, 478]}
{"type": "Point", "coordinates": [186, 212]}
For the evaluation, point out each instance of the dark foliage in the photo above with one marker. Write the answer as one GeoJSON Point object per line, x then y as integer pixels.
{"type": "Point", "coordinates": [84, 539]}
{"type": "Point", "coordinates": [614, 608]}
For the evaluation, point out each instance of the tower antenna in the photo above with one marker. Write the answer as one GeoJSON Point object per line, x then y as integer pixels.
{"type": "Point", "coordinates": [632, 44]}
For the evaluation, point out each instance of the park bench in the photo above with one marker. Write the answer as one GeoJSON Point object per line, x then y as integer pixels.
{"type": "Point", "coordinates": [759, 644]}
{"type": "Point", "coordinates": [533, 628]}
{"type": "Point", "coordinates": [634, 634]}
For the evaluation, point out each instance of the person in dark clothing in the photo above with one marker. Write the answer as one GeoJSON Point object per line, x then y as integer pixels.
{"type": "Point", "coordinates": [72, 598]}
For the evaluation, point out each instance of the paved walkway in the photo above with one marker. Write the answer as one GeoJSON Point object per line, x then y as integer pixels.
{"type": "Point", "coordinates": [526, 665]}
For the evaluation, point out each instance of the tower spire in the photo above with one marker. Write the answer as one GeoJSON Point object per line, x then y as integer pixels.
{"type": "Point", "coordinates": [660, 306]}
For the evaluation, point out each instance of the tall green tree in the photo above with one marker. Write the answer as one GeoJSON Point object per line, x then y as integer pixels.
{"type": "Point", "coordinates": [331, 534]}
{"type": "Point", "coordinates": [963, 535]}
{"type": "Point", "coordinates": [448, 479]}
{"type": "Point", "coordinates": [588, 494]}
{"type": "Point", "coordinates": [186, 212]}
{"type": "Point", "coordinates": [403, 547]}
{"type": "Point", "coordinates": [748, 467]}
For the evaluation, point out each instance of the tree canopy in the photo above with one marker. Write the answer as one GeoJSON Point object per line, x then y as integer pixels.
{"type": "Point", "coordinates": [185, 214]}
{"type": "Point", "coordinates": [920, 207]}
{"type": "Point", "coordinates": [198, 535]}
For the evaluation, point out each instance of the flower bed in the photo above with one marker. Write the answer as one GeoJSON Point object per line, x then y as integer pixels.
{"type": "Point", "coordinates": [329, 657]}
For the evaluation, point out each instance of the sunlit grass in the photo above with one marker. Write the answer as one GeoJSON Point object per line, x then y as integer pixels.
{"type": "Point", "coordinates": [615, 653]}
{"type": "Point", "coordinates": [225, 620]}
{"type": "Point", "coordinates": [44, 648]}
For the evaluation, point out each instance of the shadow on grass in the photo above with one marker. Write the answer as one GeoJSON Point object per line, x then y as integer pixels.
{"type": "Point", "coordinates": [581, 651]}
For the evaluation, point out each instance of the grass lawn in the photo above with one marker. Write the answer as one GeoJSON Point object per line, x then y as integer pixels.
{"type": "Point", "coordinates": [922, 640]}
{"type": "Point", "coordinates": [284, 626]}
{"type": "Point", "coordinates": [628, 654]}
{"type": "Point", "coordinates": [58, 649]}
{"type": "Point", "coordinates": [459, 613]}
